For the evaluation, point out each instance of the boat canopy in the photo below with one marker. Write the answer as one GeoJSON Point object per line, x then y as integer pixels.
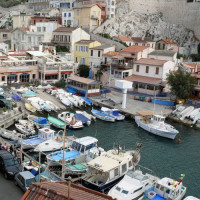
{"type": "Point", "coordinates": [40, 120]}
{"type": "Point", "coordinates": [86, 140]}
{"type": "Point", "coordinates": [145, 113]}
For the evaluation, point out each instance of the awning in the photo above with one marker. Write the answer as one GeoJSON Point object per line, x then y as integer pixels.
{"type": "Point", "coordinates": [66, 72]}
{"type": "Point", "coordinates": [50, 74]}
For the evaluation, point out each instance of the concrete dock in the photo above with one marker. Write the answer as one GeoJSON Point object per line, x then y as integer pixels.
{"type": "Point", "coordinates": [114, 100]}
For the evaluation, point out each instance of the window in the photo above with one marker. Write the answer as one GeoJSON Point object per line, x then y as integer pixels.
{"type": "Point", "coordinates": [124, 191]}
{"type": "Point", "coordinates": [125, 74]}
{"type": "Point", "coordinates": [76, 47]}
{"type": "Point", "coordinates": [118, 188]}
{"type": "Point", "coordinates": [39, 39]}
{"type": "Point", "coordinates": [76, 59]}
{"type": "Point", "coordinates": [124, 168]}
{"type": "Point", "coordinates": [3, 78]}
{"type": "Point", "coordinates": [136, 44]}
{"type": "Point", "coordinates": [116, 172]}
{"type": "Point", "coordinates": [44, 29]}
{"type": "Point", "coordinates": [137, 68]}
{"type": "Point", "coordinates": [65, 14]}
{"type": "Point", "coordinates": [34, 21]}
{"type": "Point", "coordinates": [99, 53]}
{"type": "Point", "coordinates": [113, 3]}
{"type": "Point", "coordinates": [94, 23]}
{"type": "Point", "coordinates": [77, 12]}
{"type": "Point", "coordinates": [157, 70]}
{"type": "Point", "coordinates": [162, 188]}
{"type": "Point", "coordinates": [137, 190]}
{"type": "Point", "coordinates": [29, 39]}
{"type": "Point", "coordinates": [86, 48]}
{"type": "Point", "coordinates": [147, 69]}
{"type": "Point", "coordinates": [163, 46]}
{"type": "Point", "coordinates": [38, 29]}
{"type": "Point", "coordinates": [91, 53]}
{"type": "Point", "coordinates": [5, 36]}
{"type": "Point", "coordinates": [34, 76]}
{"type": "Point", "coordinates": [69, 15]}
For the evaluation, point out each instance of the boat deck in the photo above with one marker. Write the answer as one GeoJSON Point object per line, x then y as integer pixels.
{"type": "Point", "coordinates": [33, 141]}
{"type": "Point", "coordinates": [68, 155]}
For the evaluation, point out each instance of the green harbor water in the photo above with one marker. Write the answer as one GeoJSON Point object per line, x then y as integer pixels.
{"type": "Point", "coordinates": [167, 158]}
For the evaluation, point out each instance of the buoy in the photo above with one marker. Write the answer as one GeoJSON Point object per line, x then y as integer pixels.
{"type": "Point", "coordinates": [179, 140]}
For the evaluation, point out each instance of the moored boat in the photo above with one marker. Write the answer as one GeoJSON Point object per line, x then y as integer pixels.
{"type": "Point", "coordinates": [29, 94]}
{"type": "Point", "coordinates": [56, 122]}
{"type": "Point", "coordinates": [39, 121]}
{"type": "Point", "coordinates": [16, 97]}
{"type": "Point", "coordinates": [113, 112]}
{"type": "Point", "coordinates": [155, 124]}
{"type": "Point", "coordinates": [82, 118]}
{"type": "Point", "coordinates": [103, 116]}
{"type": "Point", "coordinates": [26, 130]}
{"type": "Point", "coordinates": [11, 135]}
{"type": "Point", "coordinates": [29, 107]}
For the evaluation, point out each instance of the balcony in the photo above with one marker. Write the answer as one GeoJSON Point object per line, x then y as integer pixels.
{"type": "Point", "coordinates": [94, 17]}
{"type": "Point", "coordinates": [60, 42]}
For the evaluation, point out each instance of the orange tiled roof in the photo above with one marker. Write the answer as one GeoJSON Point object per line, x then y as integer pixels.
{"type": "Point", "coordinates": [111, 53]}
{"type": "Point", "coordinates": [134, 49]}
{"type": "Point", "coordinates": [167, 41]}
{"type": "Point", "coordinates": [123, 38]}
{"type": "Point", "coordinates": [59, 191]}
{"type": "Point", "coordinates": [150, 61]}
{"type": "Point", "coordinates": [143, 79]}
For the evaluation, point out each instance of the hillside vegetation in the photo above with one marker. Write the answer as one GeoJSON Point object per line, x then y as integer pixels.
{"type": "Point", "coordinates": [10, 3]}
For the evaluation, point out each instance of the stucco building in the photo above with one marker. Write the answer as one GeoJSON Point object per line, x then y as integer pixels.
{"type": "Point", "coordinates": [21, 20]}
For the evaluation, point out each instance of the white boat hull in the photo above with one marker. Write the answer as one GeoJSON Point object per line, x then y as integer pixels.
{"type": "Point", "coordinates": [166, 134]}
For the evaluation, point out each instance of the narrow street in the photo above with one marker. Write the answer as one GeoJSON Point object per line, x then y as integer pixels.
{"type": "Point", "coordinates": [8, 190]}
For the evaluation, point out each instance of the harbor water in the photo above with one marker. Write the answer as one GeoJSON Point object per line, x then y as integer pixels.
{"type": "Point", "coordinates": [163, 156]}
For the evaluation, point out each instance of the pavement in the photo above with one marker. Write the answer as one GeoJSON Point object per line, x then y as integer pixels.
{"type": "Point", "coordinates": [114, 100]}
{"type": "Point", "coordinates": [8, 190]}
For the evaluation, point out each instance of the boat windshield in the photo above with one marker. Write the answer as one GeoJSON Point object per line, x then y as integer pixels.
{"type": "Point", "coordinates": [118, 188]}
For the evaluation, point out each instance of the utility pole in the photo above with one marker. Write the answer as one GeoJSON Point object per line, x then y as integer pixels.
{"type": "Point", "coordinates": [63, 160]}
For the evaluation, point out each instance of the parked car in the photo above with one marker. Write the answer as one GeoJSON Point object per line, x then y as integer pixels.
{"type": "Point", "coordinates": [9, 165]}
{"type": "Point", "coordinates": [24, 180]}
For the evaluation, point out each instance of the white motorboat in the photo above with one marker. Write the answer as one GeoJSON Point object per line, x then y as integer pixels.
{"type": "Point", "coordinates": [178, 109]}
{"type": "Point", "coordinates": [194, 113]}
{"type": "Point", "coordinates": [196, 118]}
{"type": "Point", "coordinates": [26, 130]}
{"type": "Point", "coordinates": [52, 106]}
{"type": "Point", "coordinates": [36, 106]}
{"type": "Point", "coordinates": [113, 112]}
{"type": "Point", "coordinates": [44, 134]}
{"type": "Point", "coordinates": [65, 100]}
{"type": "Point", "coordinates": [108, 169]}
{"type": "Point", "coordinates": [44, 106]}
{"type": "Point", "coordinates": [41, 122]}
{"type": "Point", "coordinates": [11, 135]}
{"type": "Point", "coordinates": [155, 124]}
{"type": "Point", "coordinates": [70, 120]}
{"type": "Point", "coordinates": [167, 188]}
{"type": "Point", "coordinates": [22, 90]}
{"type": "Point", "coordinates": [89, 116]}
{"type": "Point", "coordinates": [79, 100]}
{"type": "Point", "coordinates": [191, 198]}
{"type": "Point", "coordinates": [133, 185]}
{"type": "Point", "coordinates": [185, 112]}
{"type": "Point", "coordinates": [103, 116]}
{"type": "Point", "coordinates": [73, 101]}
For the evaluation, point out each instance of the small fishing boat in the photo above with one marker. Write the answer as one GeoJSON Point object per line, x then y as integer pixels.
{"type": "Point", "coordinates": [167, 188]}
{"type": "Point", "coordinates": [73, 101]}
{"type": "Point", "coordinates": [185, 112]}
{"type": "Point", "coordinates": [39, 121]}
{"type": "Point", "coordinates": [56, 122]}
{"type": "Point", "coordinates": [29, 107]}
{"type": "Point", "coordinates": [44, 106]}
{"type": "Point", "coordinates": [79, 100]}
{"type": "Point", "coordinates": [70, 120]}
{"type": "Point", "coordinates": [194, 113]}
{"type": "Point", "coordinates": [24, 122]}
{"type": "Point", "coordinates": [43, 135]}
{"type": "Point", "coordinates": [11, 135]}
{"type": "Point", "coordinates": [83, 119]}
{"type": "Point", "coordinates": [16, 97]}
{"type": "Point", "coordinates": [113, 112]}
{"type": "Point", "coordinates": [29, 94]}
{"type": "Point", "coordinates": [36, 106]}
{"type": "Point", "coordinates": [133, 185]}
{"type": "Point", "coordinates": [64, 100]}
{"type": "Point", "coordinates": [155, 124]}
{"type": "Point", "coordinates": [89, 116]}
{"type": "Point", "coordinates": [52, 106]}
{"type": "Point", "coordinates": [26, 130]}
{"type": "Point", "coordinates": [108, 169]}
{"type": "Point", "coordinates": [178, 110]}
{"type": "Point", "coordinates": [87, 101]}
{"type": "Point", "coordinates": [103, 116]}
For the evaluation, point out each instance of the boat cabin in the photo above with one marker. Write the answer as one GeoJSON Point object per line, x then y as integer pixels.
{"type": "Point", "coordinates": [84, 144]}
{"type": "Point", "coordinates": [46, 133]}
{"type": "Point", "coordinates": [170, 189]}
{"type": "Point", "coordinates": [158, 118]}
{"type": "Point", "coordinates": [108, 167]}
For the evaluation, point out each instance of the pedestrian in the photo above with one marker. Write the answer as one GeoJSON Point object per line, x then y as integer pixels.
{"type": "Point", "coordinates": [15, 150]}
{"type": "Point", "coordinates": [11, 149]}
{"type": "Point", "coordinates": [5, 147]}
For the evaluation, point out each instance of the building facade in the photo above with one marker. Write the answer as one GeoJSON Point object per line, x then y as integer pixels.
{"type": "Point", "coordinates": [68, 18]}
{"type": "Point", "coordinates": [82, 51]}
{"type": "Point", "coordinates": [165, 44]}
{"type": "Point", "coordinates": [38, 5]}
{"type": "Point", "coordinates": [111, 5]}
{"type": "Point", "coordinates": [22, 20]}
{"type": "Point", "coordinates": [143, 41]}
{"type": "Point", "coordinates": [128, 41]}
{"type": "Point", "coordinates": [5, 35]}
{"type": "Point", "coordinates": [87, 17]}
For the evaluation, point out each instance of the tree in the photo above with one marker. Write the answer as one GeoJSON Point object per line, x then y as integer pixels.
{"type": "Point", "coordinates": [83, 70]}
{"type": "Point", "coordinates": [61, 83]}
{"type": "Point", "coordinates": [181, 83]}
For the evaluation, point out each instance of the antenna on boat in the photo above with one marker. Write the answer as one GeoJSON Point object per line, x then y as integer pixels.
{"type": "Point", "coordinates": [63, 160]}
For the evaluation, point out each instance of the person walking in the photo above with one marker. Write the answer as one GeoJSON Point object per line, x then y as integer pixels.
{"type": "Point", "coordinates": [11, 149]}
{"type": "Point", "coordinates": [15, 150]}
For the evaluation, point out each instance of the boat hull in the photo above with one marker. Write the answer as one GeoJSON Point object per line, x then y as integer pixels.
{"type": "Point", "coordinates": [102, 188]}
{"type": "Point", "coordinates": [170, 135]}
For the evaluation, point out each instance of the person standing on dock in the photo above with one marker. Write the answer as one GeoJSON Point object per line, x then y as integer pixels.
{"type": "Point", "coordinates": [15, 150]}
{"type": "Point", "coordinates": [11, 149]}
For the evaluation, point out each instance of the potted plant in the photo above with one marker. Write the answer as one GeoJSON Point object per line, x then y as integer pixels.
{"type": "Point", "coordinates": [15, 106]}
{"type": "Point", "coordinates": [5, 110]}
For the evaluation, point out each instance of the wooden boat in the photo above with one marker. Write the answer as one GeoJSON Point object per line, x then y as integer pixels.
{"type": "Point", "coordinates": [56, 122]}
{"type": "Point", "coordinates": [29, 107]}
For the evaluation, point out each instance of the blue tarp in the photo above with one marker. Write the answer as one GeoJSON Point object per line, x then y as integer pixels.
{"type": "Point", "coordinates": [40, 120]}
{"type": "Point", "coordinates": [16, 97]}
{"type": "Point", "coordinates": [81, 118]}
{"type": "Point", "coordinates": [71, 90]}
{"type": "Point", "coordinates": [87, 101]}
{"type": "Point", "coordinates": [163, 102]}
